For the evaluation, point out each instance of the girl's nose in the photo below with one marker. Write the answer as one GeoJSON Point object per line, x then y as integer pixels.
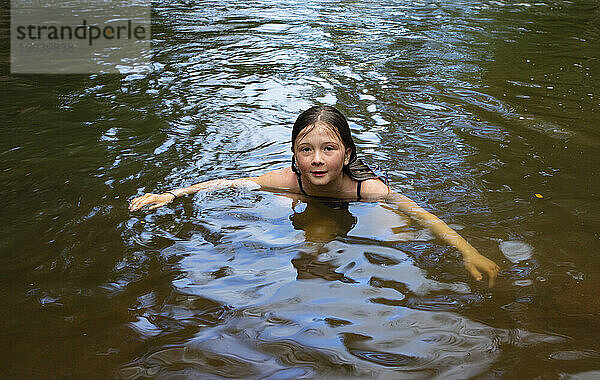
{"type": "Point", "coordinates": [317, 158]}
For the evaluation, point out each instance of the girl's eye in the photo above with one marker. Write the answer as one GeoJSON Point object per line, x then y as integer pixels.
{"type": "Point", "coordinates": [329, 148]}
{"type": "Point", "coordinates": [305, 149]}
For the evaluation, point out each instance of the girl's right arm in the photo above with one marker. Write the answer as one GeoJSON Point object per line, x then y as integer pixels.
{"type": "Point", "coordinates": [274, 180]}
{"type": "Point", "coordinates": [158, 200]}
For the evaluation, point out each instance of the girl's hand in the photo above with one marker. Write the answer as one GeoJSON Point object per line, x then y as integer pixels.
{"type": "Point", "coordinates": [157, 200]}
{"type": "Point", "coordinates": [476, 263]}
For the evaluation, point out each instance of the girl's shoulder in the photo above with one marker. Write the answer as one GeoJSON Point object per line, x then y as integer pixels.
{"type": "Point", "coordinates": [280, 179]}
{"type": "Point", "coordinates": [374, 188]}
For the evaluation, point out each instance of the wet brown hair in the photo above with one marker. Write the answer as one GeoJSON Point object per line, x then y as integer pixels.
{"type": "Point", "coordinates": [335, 120]}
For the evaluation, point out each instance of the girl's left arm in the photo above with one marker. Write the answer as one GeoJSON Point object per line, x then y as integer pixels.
{"type": "Point", "coordinates": [474, 262]}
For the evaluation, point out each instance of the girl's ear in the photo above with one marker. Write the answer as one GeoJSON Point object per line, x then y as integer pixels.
{"type": "Point", "coordinates": [347, 156]}
{"type": "Point", "coordinates": [294, 168]}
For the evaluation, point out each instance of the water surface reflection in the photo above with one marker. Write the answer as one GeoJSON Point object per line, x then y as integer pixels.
{"type": "Point", "coordinates": [310, 298]}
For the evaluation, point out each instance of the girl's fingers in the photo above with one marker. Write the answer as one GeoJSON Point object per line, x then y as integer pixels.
{"type": "Point", "coordinates": [472, 269]}
{"type": "Point", "coordinates": [148, 199]}
{"type": "Point", "coordinates": [492, 279]}
{"type": "Point", "coordinates": [140, 202]}
{"type": "Point", "coordinates": [490, 270]}
{"type": "Point", "coordinates": [492, 274]}
{"type": "Point", "coordinates": [133, 204]}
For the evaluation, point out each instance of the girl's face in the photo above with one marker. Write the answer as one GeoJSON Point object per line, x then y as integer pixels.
{"type": "Point", "coordinates": [320, 155]}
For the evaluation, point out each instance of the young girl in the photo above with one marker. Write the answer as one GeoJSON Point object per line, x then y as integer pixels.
{"type": "Point", "coordinates": [324, 164]}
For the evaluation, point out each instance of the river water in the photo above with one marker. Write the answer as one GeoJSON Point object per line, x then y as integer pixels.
{"type": "Point", "coordinates": [484, 112]}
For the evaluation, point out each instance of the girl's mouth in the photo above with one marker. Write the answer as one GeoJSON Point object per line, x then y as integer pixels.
{"type": "Point", "coordinates": [319, 173]}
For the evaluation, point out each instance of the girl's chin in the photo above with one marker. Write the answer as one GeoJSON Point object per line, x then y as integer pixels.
{"type": "Point", "coordinates": [319, 180]}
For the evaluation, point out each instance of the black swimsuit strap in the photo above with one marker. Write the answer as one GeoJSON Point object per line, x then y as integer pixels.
{"type": "Point", "coordinates": [358, 190]}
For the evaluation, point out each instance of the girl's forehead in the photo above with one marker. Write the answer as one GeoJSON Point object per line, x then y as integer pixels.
{"type": "Point", "coordinates": [320, 129]}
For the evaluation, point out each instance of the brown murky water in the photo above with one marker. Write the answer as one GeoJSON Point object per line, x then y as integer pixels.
{"type": "Point", "coordinates": [472, 106]}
